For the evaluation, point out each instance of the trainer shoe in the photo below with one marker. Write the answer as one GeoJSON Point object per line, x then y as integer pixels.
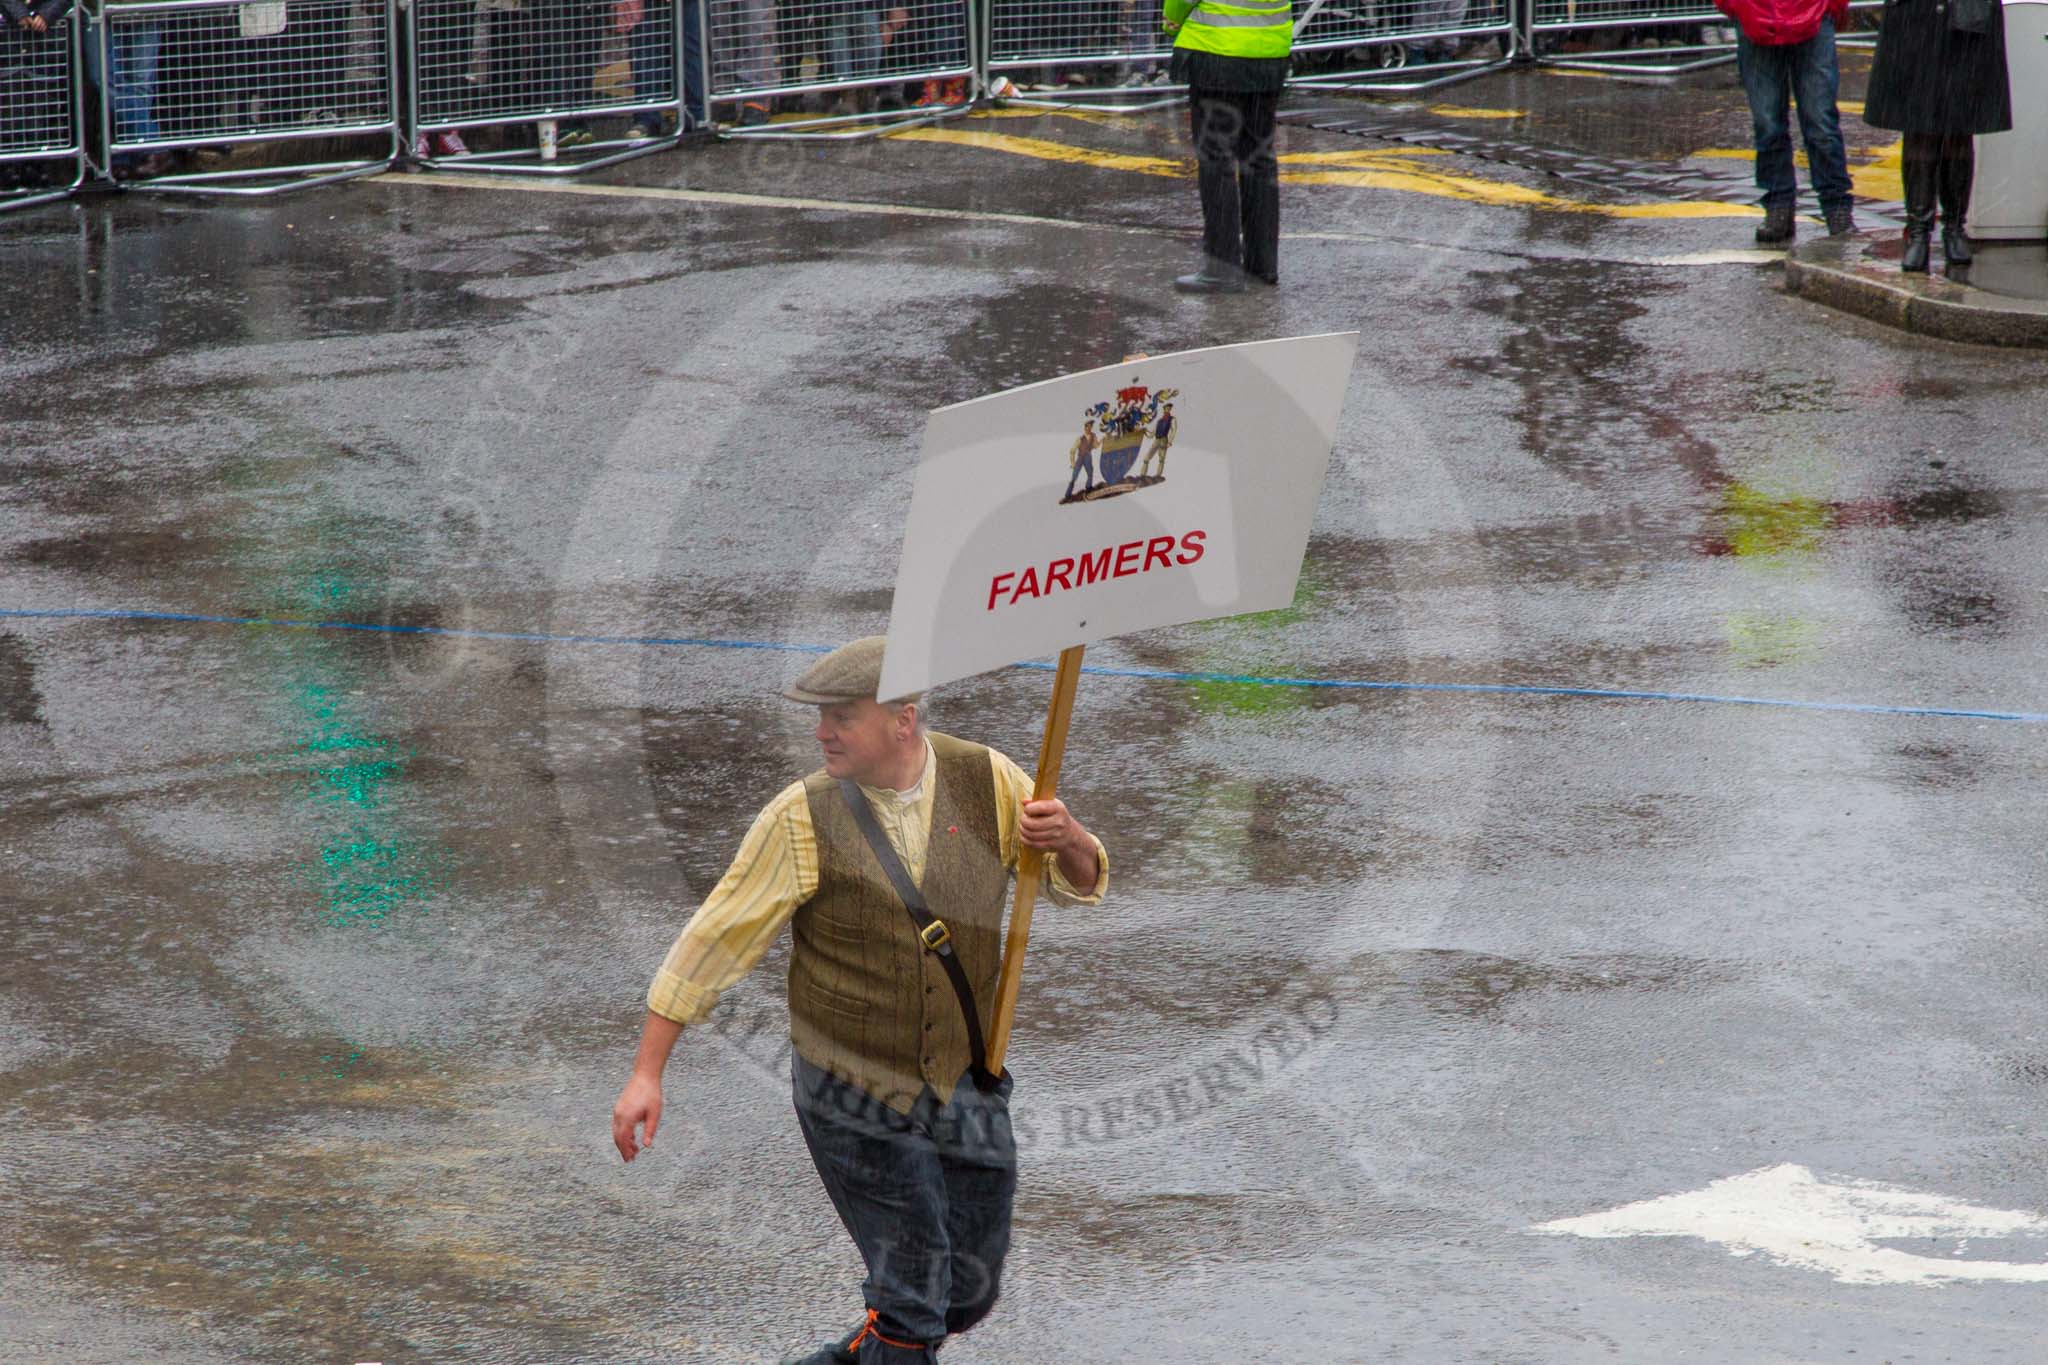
{"type": "Point", "coordinates": [840, 1352]}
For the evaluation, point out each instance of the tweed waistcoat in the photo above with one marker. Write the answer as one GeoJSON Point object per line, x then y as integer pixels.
{"type": "Point", "coordinates": [867, 1002]}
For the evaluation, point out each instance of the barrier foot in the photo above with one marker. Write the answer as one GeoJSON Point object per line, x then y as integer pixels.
{"type": "Point", "coordinates": [1621, 64]}
{"type": "Point", "coordinates": [490, 163]}
{"type": "Point", "coordinates": [846, 127]}
{"type": "Point", "coordinates": [29, 201]}
{"type": "Point", "coordinates": [214, 183]}
{"type": "Point", "coordinates": [1354, 84]}
{"type": "Point", "coordinates": [1172, 97]}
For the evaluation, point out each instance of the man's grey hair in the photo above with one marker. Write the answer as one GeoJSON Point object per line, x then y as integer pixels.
{"type": "Point", "coordinates": [915, 699]}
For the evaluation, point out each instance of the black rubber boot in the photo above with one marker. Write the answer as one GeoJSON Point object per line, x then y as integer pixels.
{"type": "Point", "coordinates": [1958, 170]}
{"type": "Point", "coordinates": [1919, 168]}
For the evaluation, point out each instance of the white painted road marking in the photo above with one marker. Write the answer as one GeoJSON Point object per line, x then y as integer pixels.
{"type": "Point", "coordinates": [788, 203]}
{"type": "Point", "coordinates": [1828, 1224]}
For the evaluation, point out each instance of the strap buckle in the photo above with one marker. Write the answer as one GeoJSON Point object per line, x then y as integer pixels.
{"type": "Point", "coordinates": [935, 935]}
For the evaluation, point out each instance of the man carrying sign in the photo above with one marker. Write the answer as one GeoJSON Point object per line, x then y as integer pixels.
{"type": "Point", "coordinates": [890, 865]}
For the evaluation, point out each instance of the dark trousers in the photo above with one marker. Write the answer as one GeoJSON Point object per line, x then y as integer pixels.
{"type": "Point", "coordinates": [1240, 177]}
{"type": "Point", "coordinates": [925, 1197]}
{"type": "Point", "coordinates": [1805, 73]}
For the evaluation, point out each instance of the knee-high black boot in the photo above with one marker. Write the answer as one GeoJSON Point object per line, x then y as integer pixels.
{"type": "Point", "coordinates": [1919, 167]}
{"type": "Point", "coordinates": [1958, 170]}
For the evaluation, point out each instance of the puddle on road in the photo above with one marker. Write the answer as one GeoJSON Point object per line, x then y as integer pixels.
{"type": "Point", "coordinates": [711, 771]}
{"type": "Point", "coordinates": [1584, 405]}
{"type": "Point", "coordinates": [343, 1249]}
{"type": "Point", "coordinates": [97, 551]}
{"type": "Point", "coordinates": [1038, 330]}
{"type": "Point", "coordinates": [1178, 1232]}
{"type": "Point", "coordinates": [20, 701]}
{"type": "Point", "coordinates": [1164, 981]}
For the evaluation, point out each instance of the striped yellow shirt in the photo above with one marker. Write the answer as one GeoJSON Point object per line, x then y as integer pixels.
{"type": "Point", "coordinates": [776, 871]}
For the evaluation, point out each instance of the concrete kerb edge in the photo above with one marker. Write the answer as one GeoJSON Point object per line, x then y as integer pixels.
{"type": "Point", "coordinates": [1825, 272]}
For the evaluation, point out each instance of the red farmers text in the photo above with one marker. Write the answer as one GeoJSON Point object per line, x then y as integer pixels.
{"type": "Point", "coordinates": [1112, 561]}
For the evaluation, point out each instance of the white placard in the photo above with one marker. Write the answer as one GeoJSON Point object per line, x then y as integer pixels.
{"type": "Point", "coordinates": [1176, 488]}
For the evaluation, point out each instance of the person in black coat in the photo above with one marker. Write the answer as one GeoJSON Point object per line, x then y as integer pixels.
{"type": "Point", "coordinates": [1939, 77]}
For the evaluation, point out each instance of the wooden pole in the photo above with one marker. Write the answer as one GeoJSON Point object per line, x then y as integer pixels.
{"type": "Point", "coordinates": [1031, 864]}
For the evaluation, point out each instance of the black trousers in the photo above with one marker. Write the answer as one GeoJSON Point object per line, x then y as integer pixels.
{"type": "Point", "coordinates": [927, 1200]}
{"type": "Point", "coordinates": [1240, 176]}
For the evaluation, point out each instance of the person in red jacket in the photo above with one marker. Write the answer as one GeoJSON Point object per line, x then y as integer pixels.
{"type": "Point", "coordinates": [1786, 52]}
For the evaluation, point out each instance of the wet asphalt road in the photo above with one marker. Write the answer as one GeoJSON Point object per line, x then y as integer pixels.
{"type": "Point", "coordinates": [325, 950]}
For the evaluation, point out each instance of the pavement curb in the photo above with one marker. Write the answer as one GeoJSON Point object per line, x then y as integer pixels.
{"type": "Point", "coordinates": [1860, 274]}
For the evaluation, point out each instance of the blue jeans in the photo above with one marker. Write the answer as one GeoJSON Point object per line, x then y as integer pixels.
{"type": "Point", "coordinates": [651, 62]}
{"type": "Point", "coordinates": [1806, 73]}
{"type": "Point", "coordinates": [854, 40]}
{"type": "Point", "coordinates": [132, 91]}
{"type": "Point", "coordinates": [1084, 465]}
{"type": "Point", "coordinates": [925, 1196]}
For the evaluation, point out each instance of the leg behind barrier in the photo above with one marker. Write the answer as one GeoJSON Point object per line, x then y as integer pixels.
{"type": "Point", "coordinates": [933, 43]}
{"type": "Point", "coordinates": [246, 75]}
{"type": "Point", "coordinates": [546, 63]}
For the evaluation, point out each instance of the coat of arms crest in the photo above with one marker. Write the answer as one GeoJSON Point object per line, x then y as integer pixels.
{"type": "Point", "coordinates": [1111, 456]}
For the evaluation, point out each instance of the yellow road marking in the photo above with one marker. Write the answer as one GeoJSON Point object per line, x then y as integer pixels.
{"type": "Point", "coordinates": [1083, 115]}
{"type": "Point", "coordinates": [1383, 169]}
{"type": "Point", "coordinates": [1044, 149]}
{"type": "Point", "coordinates": [1875, 177]}
{"type": "Point", "coordinates": [1416, 180]}
{"type": "Point", "coordinates": [1459, 111]}
{"type": "Point", "coordinates": [1880, 177]}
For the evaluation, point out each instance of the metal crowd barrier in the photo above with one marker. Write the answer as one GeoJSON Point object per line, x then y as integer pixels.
{"type": "Point", "coordinates": [186, 77]}
{"type": "Point", "coordinates": [1403, 44]}
{"type": "Point", "coordinates": [1679, 23]}
{"type": "Point", "coordinates": [538, 72]}
{"type": "Point", "coordinates": [886, 63]}
{"type": "Point", "coordinates": [1861, 37]}
{"type": "Point", "coordinates": [1074, 51]}
{"type": "Point", "coordinates": [42, 144]}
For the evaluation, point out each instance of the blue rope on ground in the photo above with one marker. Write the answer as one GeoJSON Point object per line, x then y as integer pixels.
{"type": "Point", "coordinates": [1146, 674]}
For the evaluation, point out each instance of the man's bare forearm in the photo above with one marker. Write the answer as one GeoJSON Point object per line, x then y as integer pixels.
{"type": "Point", "coordinates": [1078, 863]}
{"type": "Point", "coordinates": [657, 1039]}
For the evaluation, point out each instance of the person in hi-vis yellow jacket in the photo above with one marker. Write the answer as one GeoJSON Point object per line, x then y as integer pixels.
{"type": "Point", "coordinates": [1232, 55]}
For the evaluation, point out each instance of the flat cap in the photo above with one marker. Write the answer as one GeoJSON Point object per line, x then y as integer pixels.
{"type": "Point", "coordinates": [852, 672]}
